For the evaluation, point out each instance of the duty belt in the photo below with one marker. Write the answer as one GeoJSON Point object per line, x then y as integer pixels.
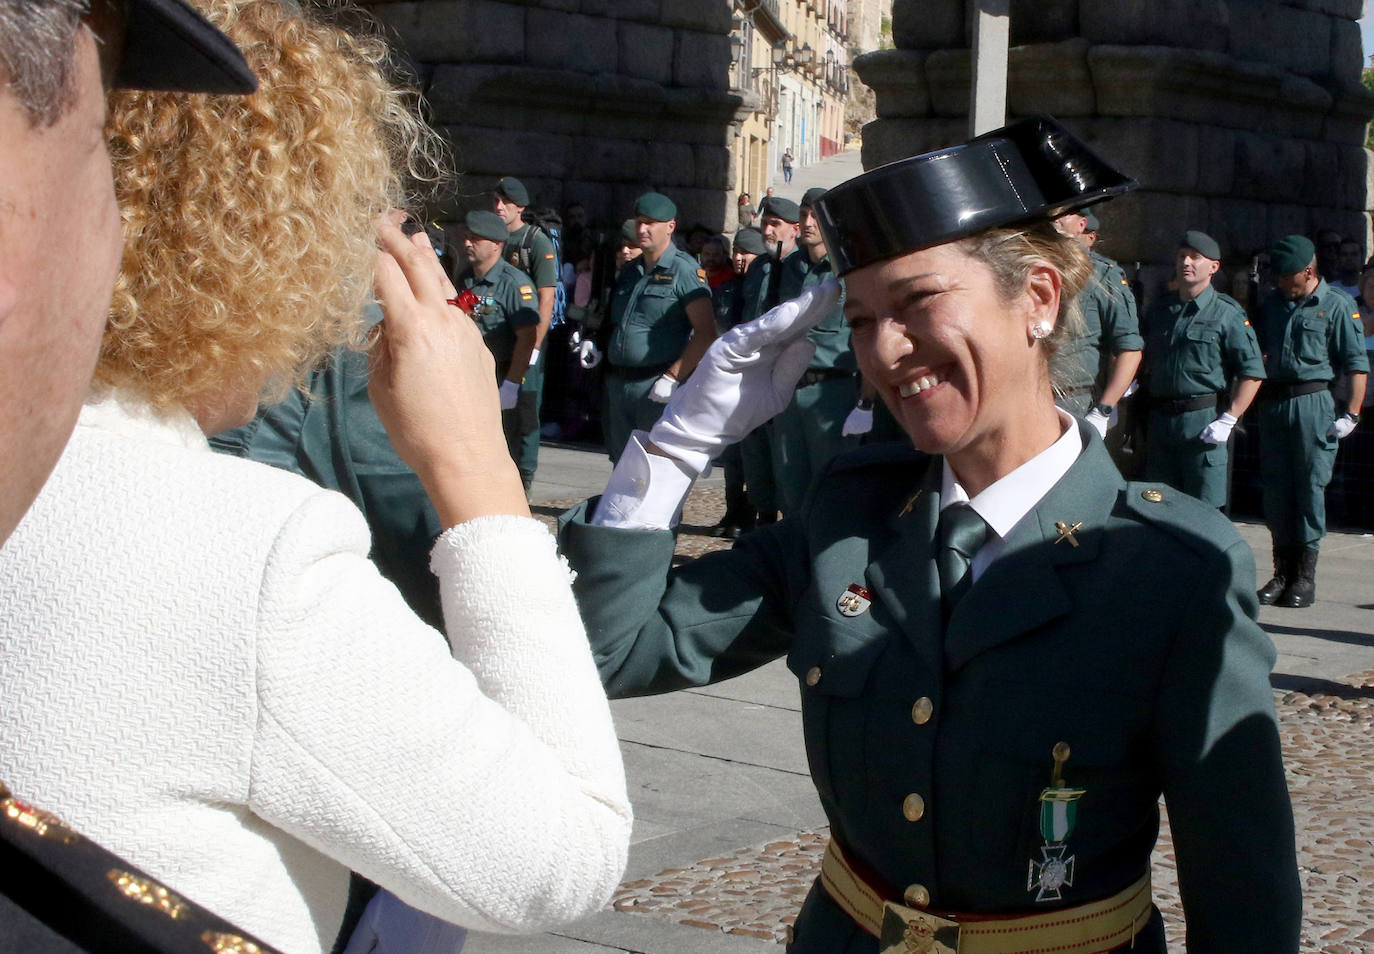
{"type": "Point", "coordinates": [1274, 391]}
{"type": "Point", "coordinates": [1082, 929]}
{"type": "Point", "coordinates": [816, 376]}
{"type": "Point", "coordinates": [1182, 405]}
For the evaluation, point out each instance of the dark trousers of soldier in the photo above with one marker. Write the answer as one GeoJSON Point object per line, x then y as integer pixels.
{"type": "Point", "coordinates": [516, 422]}
{"type": "Point", "coordinates": [1295, 463]}
{"type": "Point", "coordinates": [628, 407]}
{"type": "Point", "coordinates": [756, 454]}
{"type": "Point", "coordinates": [531, 393]}
{"type": "Point", "coordinates": [807, 434]}
{"type": "Point", "coordinates": [1176, 456]}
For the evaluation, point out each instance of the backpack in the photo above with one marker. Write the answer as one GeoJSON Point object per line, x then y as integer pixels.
{"type": "Point", "coordinates": [548, 222]}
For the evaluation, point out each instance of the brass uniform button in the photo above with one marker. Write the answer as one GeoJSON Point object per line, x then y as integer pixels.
{"type": "Point", "coordinates": [1152, 495]}
{"type": "Point", "coordinates": [913, 807]}
{"type": "Point", "coordinates": [813, 675]}
{"type": "Point", "coordinates": [916, 895]}
{"type": "Point", "coordinates": [922, 710]}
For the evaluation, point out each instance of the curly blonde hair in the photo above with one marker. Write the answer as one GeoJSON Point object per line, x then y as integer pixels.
{"type": "Point", "coordinates": [249, 220]}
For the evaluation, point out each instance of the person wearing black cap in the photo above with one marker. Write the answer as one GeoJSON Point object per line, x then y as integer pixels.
{"type": "Point", "coordinates": [660, 324]}
{"type": "Point", "coordinates": [1200, 351]}
{"type": "Point", "coordinates": [988, 732]}
{"type": "Point", "coordinates": [1309, 332]}
{"type": "Point", "coordinates": [58, 59]}
{"type": "Point", "coordinates": [531, 250]}
{"type": "Point", "coordinates": [826, 414]}
{"type": "Point", "coordinates": [1104, 358]}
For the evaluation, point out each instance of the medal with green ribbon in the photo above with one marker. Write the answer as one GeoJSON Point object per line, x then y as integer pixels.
{"type": "Point", "coordinates": [1058, 813]}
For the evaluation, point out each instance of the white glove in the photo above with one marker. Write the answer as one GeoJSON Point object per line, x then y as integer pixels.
{"type": "Point", "coordinates": [588, 354]}
{"type": "Point", "coordinates": [1098, 420]}
{"type": "Point", "coordinates": [663, 389]}
{"type": "Point", "coordinates": [574, 339]}
{"type": "Point", "coordinates": [747, 376]}
{"type": "Point", "coordinates": [534, 357]}
{"type": "Point", "coordinates": [1340, 427]}
{"type": "Point", "coordinates": [859, 421]}
{"type": "Point", "coordinates": [1219, 431]}
{"type": "Point", "coordinates": [510, 393]}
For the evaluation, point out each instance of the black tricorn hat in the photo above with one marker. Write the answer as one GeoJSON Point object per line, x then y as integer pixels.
{"type": "Point", "coordinates": [1031, 169]}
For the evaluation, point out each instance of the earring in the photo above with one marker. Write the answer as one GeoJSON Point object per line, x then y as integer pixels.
{"type": "Point", "coordinates": [1041, 329]}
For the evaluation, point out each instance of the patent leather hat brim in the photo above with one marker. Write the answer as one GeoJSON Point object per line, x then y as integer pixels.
{"type": "Point", "coordinates": [170, 46]}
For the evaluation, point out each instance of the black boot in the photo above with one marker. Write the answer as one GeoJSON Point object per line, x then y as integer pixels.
{"type": "Point", "coordinates": [1302, 591]}
{"type": "Point", "coordinates": [739, 516]}
{"type": "Point", "coordinates": [1283, 572]}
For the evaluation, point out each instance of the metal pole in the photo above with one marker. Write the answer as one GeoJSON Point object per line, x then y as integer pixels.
{"type": "Point", "coordinates": [991, 36]}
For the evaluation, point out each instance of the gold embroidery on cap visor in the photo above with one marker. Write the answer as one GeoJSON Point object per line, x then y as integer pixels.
{"type": "Point", "coordinates": [149, 892]}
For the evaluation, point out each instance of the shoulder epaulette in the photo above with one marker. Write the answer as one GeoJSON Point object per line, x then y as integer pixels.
{"type": "Point", "coordinates": [1201, 527]}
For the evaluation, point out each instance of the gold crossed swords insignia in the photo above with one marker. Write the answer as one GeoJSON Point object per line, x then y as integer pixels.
{"type": "Point", "coordinates": [1067, 532]}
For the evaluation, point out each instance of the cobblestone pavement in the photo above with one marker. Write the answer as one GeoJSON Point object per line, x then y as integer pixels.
{"type": "Point", "coordinates": [1328, 743]}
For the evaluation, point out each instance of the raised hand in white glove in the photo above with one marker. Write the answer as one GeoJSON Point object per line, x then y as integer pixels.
{"type": "Point", "coordinates": [1340, 427]}
{"type": "Point", "coordinates": [1219, 431]}
{"type": "Point", "coordinates": [510, 393]}
{"type": "Point", "coordinates": [1098, 420]}
{"type": "Point", "coordinates": [663, 389]}
{"type": "Point", "coordinates": [859, 421]}
{"type": "Point", "coordinates": [747, 376]}
{"type": "Point", "coordinates": [588, 354]}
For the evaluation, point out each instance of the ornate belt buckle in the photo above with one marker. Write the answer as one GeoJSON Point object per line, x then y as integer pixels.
{"type": "Point", "coordinates": [909, 931]}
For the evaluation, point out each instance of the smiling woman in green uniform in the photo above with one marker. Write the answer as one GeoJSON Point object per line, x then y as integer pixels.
{"type": "Point", "coordinates": [989, 729]}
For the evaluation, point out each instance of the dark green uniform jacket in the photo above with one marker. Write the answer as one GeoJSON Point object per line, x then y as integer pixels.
{"type": "Point", "coordinates": [1110, 327]}
{"type": "Point", "coordinates": [1198, 347]}
{"type": "Point", "coordinates": [831, 334]}
{"type": "Point", "coordinates": [649, 310]}
{"type": "Point", "coordinates": [1313, 338]}
{"type": "Point", "coordinates": [758, 281]}
{"type": "Point", "coordinates": [508, 302]}
{"type": "Point", "coordinates": [1172, 696]}
{"type": "Point", "coordinates": [543, 262]}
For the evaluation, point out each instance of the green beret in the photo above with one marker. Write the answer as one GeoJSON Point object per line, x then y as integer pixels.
{"type": "Point", "coordinates": [1090, 223]}
{"type": "Point", "coordinates": [656, 207]}
{"type": "Point", "coordinates": [785, 209]}
{"type": "Point", "coordinates": [750, 241]}
{"type": "Point", "coordinates": [629, 232]}
{"type": "Point", "coordinates": [487, 225]}
{"type": "Point", "coordinates": [1291, 254]}
{"type": "Point", "coordinates": [1201, 242]}
{"type": "Point", "coordinates": [809, 200]}
{"type": "Point", "coordinates": [514, 190]}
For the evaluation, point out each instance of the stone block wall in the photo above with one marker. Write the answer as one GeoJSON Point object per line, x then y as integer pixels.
{"type": "Point", "coordinates": [1245, 118]}
{"type": "Point", "coordinates": [596, 101]}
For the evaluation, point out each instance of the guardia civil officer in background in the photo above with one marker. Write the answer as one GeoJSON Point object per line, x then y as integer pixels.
{"type": "Point", "coordinates": [988, 734]}
{"type": "Point", "coordinates": [1309, 332]}
{"type": "Point", "coordinates": [1103, 359]}
{"type": "Point", "coordinates": [1200, 354]}
{"type": "Point", "coordinates": [661, 324]}
{"type": "Point", "coordinates": [506, 310]}
{"type": "Point", "coordinates": [813, 427]}
{"type": "Point", "coordinates": [530, 250]}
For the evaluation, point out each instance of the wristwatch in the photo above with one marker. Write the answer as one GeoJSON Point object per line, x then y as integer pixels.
{"type": "Point", "coordinates": [1354, 418]}
{"type": "Point", "coordinates": [1105, 410]}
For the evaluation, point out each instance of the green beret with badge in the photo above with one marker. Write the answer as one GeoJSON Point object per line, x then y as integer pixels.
{"type": "Point", "coordinates": [750, 241]}
{"type": "Point", "coordinates": [514, 190]}
{"type": "Point", "coordinates": [487, 225]}
{"type": "Point", "coordinates": [1202, 243]}
{"type": "Point", "coordinates": [785, 209]}
{"type": "Point", "coordinates": [1291, 254]}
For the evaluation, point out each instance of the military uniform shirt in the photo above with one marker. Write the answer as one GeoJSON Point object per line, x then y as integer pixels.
{"type": "Point", "coordinates": [1197, 347]}
{"type": "Point", "coordinates": [759, 277]}
{"type": "Point", "coordinates": [1311, 339]}
{"type": "Point", "coordinates": [649, 323]}
{"type": "Point", "coordinates": [1110, 325]}
{"type": "Point", "coordinates": [543, 263]}
{"type": "Point", "coordinates": [831, 334]}
{"type": "Point", "coordinates": [507, 302]}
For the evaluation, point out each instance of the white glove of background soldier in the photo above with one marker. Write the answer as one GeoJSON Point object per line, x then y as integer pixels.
{"type": "Point", "coordinates": [663, 389]}
{"type": "Point", "coordinates": [510, 393]}
{"type": "Point", "coordinates": [1219, 431]}
{"type": "Point", "coordinates": [588, 354]}
{"type": "Point", "coordinates": [1098, 420]}
{"type": "Point", "coordinates": [859, 421]}
{"type": "Point", "coordinates": [747, 376]}
{"type": "Point", "coordinates": [1340, 427]}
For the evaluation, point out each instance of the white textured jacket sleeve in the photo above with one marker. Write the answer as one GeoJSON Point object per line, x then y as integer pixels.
{"type": "Point", "coordinates": [485, 788]}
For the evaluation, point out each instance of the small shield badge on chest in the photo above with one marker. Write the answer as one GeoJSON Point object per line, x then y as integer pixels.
{"type": "Point", "coordinates": [854, 601]}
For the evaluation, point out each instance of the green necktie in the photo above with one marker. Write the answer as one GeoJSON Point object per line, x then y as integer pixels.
{"type": "Point", "coordinates": [962, 532]}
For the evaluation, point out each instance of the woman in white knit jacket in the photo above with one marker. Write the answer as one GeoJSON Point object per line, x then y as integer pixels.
{"type": "Point", "coordinates": [198, 664]}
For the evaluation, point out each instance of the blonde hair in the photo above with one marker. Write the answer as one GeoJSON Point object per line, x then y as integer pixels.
{"type": "Point", "coordinates": [1011, 253]}
{"type": "Point", "coordinates": [249, 220]}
